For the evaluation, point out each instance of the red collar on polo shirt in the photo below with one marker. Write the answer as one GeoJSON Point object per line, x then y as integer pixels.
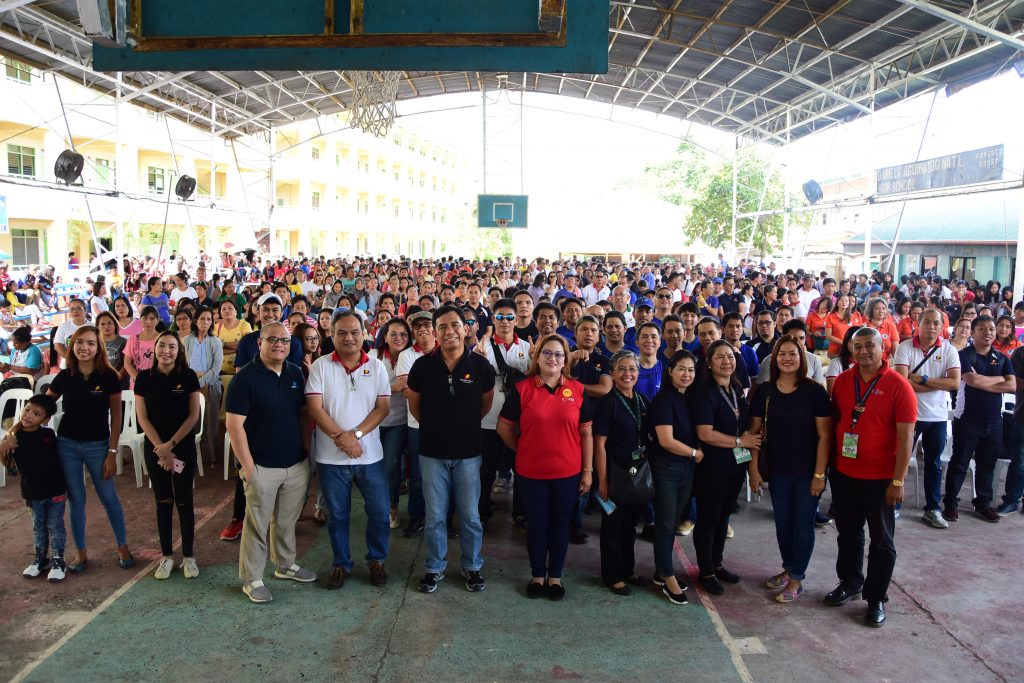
{"type": "Point", "coordinates": [917, 342]}
{"type": "Point", "coordinates": [539, 382]}
{"type": "Point", "coordinates": [417, 349]}
{"type": "Point", "coordinates": [363, 360]}
{"type": "Point", "coordinates": [508, 347]}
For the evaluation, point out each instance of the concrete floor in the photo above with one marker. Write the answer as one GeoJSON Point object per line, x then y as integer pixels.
{"type": "Point", "coordinates": [953, 615]}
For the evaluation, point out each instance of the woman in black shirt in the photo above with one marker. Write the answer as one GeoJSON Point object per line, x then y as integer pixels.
{"type": "Point", "coordinates": [674, 452]}
{"type": "Point", "coordinates": [620, 440]}
{"type": "Point", "coordinates": [167, 405]}
{"type": "Point", "coordinates": [92, 400]}
{"type": "Point", "coordinates": [720, 416]}
{"type": "Point", "coordinates": [793, 414]}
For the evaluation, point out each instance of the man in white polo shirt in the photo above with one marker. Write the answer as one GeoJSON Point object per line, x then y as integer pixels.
{"type": "Point", "coordinates": [933, 367]}
{"type": "Point", "coordinates": [348, 395]}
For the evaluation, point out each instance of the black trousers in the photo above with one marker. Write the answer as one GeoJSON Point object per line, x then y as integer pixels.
{"type": "Point", "coordinates": [716, 491]}
{"type": "Point", "coordinates": [856, 501]}
{"type": "Point", "coordinates": [173, 490]}
{"type": "Point", "coordinates": [618, 536]}
{"type": "Point", "coordinates": [494, 452]}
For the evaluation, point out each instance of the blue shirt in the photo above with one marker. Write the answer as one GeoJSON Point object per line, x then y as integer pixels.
{"type": "Point", "coordinates": [649, 382]}
{"type": "Point", "coordinates": [161, 304]}
{"type": "Point", "coordinates": [249, 348]}
{"type": "Point", "coordinates": [608, 354]}
{"type": "Point", "coordinates": [568, 334]}
{"type": "Point", "coordinates": [271, 405]}
{"type": "Point", "coordinates": [750, 360]}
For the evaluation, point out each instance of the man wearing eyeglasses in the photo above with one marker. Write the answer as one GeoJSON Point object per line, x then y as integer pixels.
{"type": "Point", "coordinates": [349, 395]}
{"type": "Point", "coordinates": [266, 414]}
{"type": "Point", "coordinates": [449, 392]}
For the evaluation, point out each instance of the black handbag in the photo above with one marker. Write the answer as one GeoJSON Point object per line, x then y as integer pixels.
{"type": "Point", "coordinates": [632, 486]}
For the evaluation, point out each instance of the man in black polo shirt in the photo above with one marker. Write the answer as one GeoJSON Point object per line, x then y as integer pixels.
{"type": "Point", "coordinates": [526, 328]}
{"type": "Point", "coordinates": [450, 391]}
{"type": "Point", "coordinates": [731, 301]}
{"type": "Point", "coordinates": [985, 375]}
{"type": "Point", "coordinates": [474, 294]}
{"type": "Point", "coordinates": [266, 414]}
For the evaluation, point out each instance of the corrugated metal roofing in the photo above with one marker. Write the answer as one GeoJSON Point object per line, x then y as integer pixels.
{"type": "Point", "coordinates": [984, 217]}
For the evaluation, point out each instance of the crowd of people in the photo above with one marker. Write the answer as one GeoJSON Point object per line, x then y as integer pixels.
{"type": "Point", "coordinates": [648, 392]}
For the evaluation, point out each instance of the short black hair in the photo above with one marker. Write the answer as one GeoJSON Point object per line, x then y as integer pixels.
{"type": "Point", "coordinates": [504, 303]}
{"type": "Point", "coordinates": [689, 307]}
{"type": "Point", "coordinates": [794, 324]}
{"type": "Point", "coordinates": [732, 315]}
{"type": "Point", "coordinates": [46, 402]}
{"type": "Point", "coordinates": [620, 317]}
{"type": "Point", "coordinates": [445, 310]}
{"type": "Point", "coordinates": [545, 306]}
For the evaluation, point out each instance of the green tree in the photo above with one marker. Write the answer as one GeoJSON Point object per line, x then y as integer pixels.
{"type": "Point", "coordinates": [679, 180]}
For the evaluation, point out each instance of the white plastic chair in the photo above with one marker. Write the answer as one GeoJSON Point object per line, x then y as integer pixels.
{"type": "Point", "coordinates": [42, 383]}
{"type": "Point", "coordinates": [131, 438]}
{"type": "Point", "coordinates": [227, 455]}
{"type": "Point", "coordinates": [199, 435]}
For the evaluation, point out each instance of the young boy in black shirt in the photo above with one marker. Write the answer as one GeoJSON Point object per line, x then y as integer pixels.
{"type": "Point", "coordinates": [34, 448]}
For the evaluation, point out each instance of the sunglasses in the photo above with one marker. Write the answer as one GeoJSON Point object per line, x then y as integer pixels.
{"type": "Point", "coordinates": [504, 316]}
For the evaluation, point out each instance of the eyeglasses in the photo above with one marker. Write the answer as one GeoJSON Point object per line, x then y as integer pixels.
{"type": "Point", "coordinates": [557, 355]}
{"type": "Point", "coordinates": [277, 340]}
{"type": "Point", "coordinates": [311, 339]}
{"type": "Point", "coordinates": [504, 316]}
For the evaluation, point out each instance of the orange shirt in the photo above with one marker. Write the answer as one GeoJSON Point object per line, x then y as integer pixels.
{"type": "Point", "coordinates": [839, 328]}
{"type": "Point", "coordinates": [890, 337]}
{"type": "Point", "coordinates": [815, 324]}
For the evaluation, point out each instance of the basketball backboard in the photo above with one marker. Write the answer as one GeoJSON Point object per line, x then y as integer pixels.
{"type": "Point", "coordinates": [494, 209]}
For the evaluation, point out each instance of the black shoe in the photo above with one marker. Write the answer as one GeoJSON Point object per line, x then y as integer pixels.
{"type": "Point", "coordinates": [875, 616]}
{"type": "Point", "coordinates": [414, 527]}
{"type": "Point", "coordinates": [520, 521]}
{"type": "Point", "coordinates": [474, 582]}
{"type": "Point", "coordinates": [987, 514]}
{"type": "Point", "coordinates": [674, 598]}
{"type": "Point", "coordinates": [428, 584]}
{"type": "Point", "coordinates": [711, 585]}
{"type": "Point", "coordinates": [638, 581]}
{"type": "Point", "coordinates": [535, 590]}
{"type": "Point", "coordinates": [623, 590]}
{"type": "Point", "coordinates": [647, 534]}
{"type": "Point", "coordinates": [555, 592]}
{"type": "Point", "coordinates": [660, 583]}
{"type": "Point", "coordinates": [578, 536]}
{"type": "Point", "coordinates": [723, 574]}
{"type": "Point", "coordinates": [841, 595]}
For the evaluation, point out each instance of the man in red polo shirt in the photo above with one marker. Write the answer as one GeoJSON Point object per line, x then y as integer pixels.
{"type": "Point", "coordinates": [874, 413]}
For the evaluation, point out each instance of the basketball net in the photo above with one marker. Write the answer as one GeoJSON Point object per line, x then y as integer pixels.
{"type": "Point", "coordinates": [502, 223]}
{"type": "Point", "coordinates": [373, 100]}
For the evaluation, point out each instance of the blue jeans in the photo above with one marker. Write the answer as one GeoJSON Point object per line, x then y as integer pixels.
{"type": "Point", "coordinates": [48, 525]}
{"type": "Point", "coordinates": [416, 505]}
{"type": "Point", "coordinates": [933, 441]}
{"type": "Point", "coordinates": [794, 508]}
{"type": "Point", "coordinates": [336, 483]}
{"type": "Point", "coordinates": [673, 484]}
{"type": "Point", "coordinates": [393, 439]}
{"type": "Point", "coordinates": [1015, 472]}
{"type": "Point", "coordinates": [440, 479]}
{"type": "Point", "coordinates": [73, 455]}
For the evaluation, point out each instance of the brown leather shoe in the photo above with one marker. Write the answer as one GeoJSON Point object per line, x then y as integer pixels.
{"type": "Point", "coordinates": [378, 574]}
{"type": "Point", "coordinates": [336, 579]}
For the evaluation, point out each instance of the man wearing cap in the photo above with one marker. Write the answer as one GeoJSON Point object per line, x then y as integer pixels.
{"type": "Point", "coordinates": [643, 312]}
{"type": "Point", "coordinates": [270, 308]}
{"type": "Point", "coordinates": [423, 342]}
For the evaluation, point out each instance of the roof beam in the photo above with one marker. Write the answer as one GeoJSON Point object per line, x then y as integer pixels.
{"type": "Point", "coordinates": [8, 5]}
{"type": "Point", "coordinates": [158, 83]}
{"type": "Point", "coordinates": [965, 22]}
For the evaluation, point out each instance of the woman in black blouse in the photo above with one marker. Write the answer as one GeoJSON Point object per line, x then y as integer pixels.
{"type": "Point", "coordinates": [620, 440]}
{"type": "Point", "coordinates": [674, 452]}
{"type": "Point", "coordinates": [793, 414]}
{"type": "Point", "coordinates": [167, 405]}
{"type": "Point", "coordinates": [92, 400]}
{"type": "Point", "coordinates": [721, 417]}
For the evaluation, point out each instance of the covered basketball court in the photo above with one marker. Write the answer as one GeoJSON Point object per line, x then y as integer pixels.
{"type": "Point", "coordinates": [767, 72]}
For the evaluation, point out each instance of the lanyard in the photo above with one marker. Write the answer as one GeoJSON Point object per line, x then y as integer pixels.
{"type": "Point", "coordinates": [734, 404]}
{"type": "Point", "coordinates": [636, 413]}
{"type": "Point", "coordinates": [862, 399]}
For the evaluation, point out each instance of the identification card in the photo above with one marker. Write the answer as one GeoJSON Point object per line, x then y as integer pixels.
{"type": "Point", "coordinates": [638, 454]}
{"type": "Point", "coordinates": [850, 445]}
{"type": "Point", "coordinates": [742, 455]}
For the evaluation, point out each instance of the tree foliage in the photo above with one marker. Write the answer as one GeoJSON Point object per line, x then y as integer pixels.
{"type": "Point", "coordinates": [704, 190]}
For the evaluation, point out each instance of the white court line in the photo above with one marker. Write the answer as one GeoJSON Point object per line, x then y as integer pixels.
{"type": "Point", "coordinates": [735, 651]}
{"type": "Point", "coordinates": [141, 574]}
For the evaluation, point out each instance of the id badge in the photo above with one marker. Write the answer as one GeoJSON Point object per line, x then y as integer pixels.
{"type": "Point", "coordinates": [742, 455]}
{"type": "Point", "coordinates": [850, 445]}
{"type": "Point", "coordinates": [638, 454]}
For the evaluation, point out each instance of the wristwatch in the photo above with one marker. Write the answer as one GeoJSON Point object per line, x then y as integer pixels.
{"type": "Point", "coordinates": [358, 433]}
{"type": "Point", "coordinates": [820, 476]}
{"type": "Point", "coordinates": [898, 483]}
{"type": "Point", "coordinates": [924, 380]}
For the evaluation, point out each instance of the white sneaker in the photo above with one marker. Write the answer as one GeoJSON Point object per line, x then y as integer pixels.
{"type": "Point", "coordinates": [57, 572]}
{"type": "Point", "coordinates": [729, 533]}
{"type": "Point", "coordinates": [395, 522]}
{"type": "Point", "coordinates": [896, 513]}
{"type": "Point", "coordinates": [37, 567]}
{"type": "Point", "coordinates": [934, 517]}
{"type": "Point", "coordinates": [190, 568]}
{"type": "Point", "coordinates": [164, 568]}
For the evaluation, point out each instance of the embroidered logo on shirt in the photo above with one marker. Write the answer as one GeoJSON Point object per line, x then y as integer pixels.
{"type": "Point", "coordinates": [366, 371]}
{"type": "Point", "coordinates": [567, 393]}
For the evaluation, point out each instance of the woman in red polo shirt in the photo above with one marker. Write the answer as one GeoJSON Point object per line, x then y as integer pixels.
{"type": "Point", "coordinates": [554, 458]}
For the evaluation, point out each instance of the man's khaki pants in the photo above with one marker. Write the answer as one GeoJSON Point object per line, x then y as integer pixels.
{"type": "Point", "coordinates": [274, 497]}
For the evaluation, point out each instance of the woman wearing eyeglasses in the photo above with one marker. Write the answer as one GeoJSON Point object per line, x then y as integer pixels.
{"type": "Point", "coordinates": [554, 458]}
{"type": "Point", "coordinates": [310, 339]}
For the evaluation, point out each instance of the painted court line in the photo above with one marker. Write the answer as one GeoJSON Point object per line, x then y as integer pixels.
{"type": "Point", "coordinates": [736, 649]}
{"type": "Point", "coordinates": [141, 574]}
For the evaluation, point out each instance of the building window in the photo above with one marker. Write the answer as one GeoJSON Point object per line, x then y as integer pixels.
{"type": "Point", "coordinates": [337, 160]}
{"type": "Point", "coordinates": [17, 71]}
{"type": "Point", "coordinates": [397, 210]}
{"type": "Point", "coordinates": [316, 201]}
{"type": "Point", "coordinates": [444, 217]}
{"type": "Point", "coordinates": [21, 161]}
{"type": "Point", "coordinates": [26, 247]}
{"type": "Point", "coordinates": [423, 182]}
{"type": "Point", "coordinates": [280, 202]}
{"type": "Point", "coordinates": [106, 173]}
{"type": "Point", "coordinates": [156, 179]}
{"type": "Point", "coordinates": [315, 151]}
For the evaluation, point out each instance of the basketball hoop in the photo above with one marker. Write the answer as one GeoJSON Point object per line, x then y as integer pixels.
{"type": "Point", "coordinates": [501, 222]}
{"type": "Point", "coordinates": [373, 100]}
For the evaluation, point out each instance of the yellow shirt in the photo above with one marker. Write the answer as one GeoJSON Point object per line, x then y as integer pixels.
{"type": "Point", "coordinates": [230, 336]}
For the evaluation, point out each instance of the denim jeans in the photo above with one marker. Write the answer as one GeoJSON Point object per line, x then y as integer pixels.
{"type": "Point", "coordinates": [440, 479]}
{"type": "Point", "coordinates": [416, 505]}
{"type": "Point", "coordinates": [394, 439]}
{"type": "Point", "coordinates": [985, 443]}
{"type": "Point", "coordinates": [549, 504]}
{"type": "Point", "coordinates": [794, 508]}
{"type": "Point", "coordinates": [48, 525]}
{"type": "Point", "coordinates": [673, 484]}
{"type": "Point", "coordinates": [336, 482]}
{"type": "Point", "coordinates": [1015, 471]}
{"type": "Point", "coordinates": [73, 455]}
{"type": "Point", "coordinates": [933, 442]}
